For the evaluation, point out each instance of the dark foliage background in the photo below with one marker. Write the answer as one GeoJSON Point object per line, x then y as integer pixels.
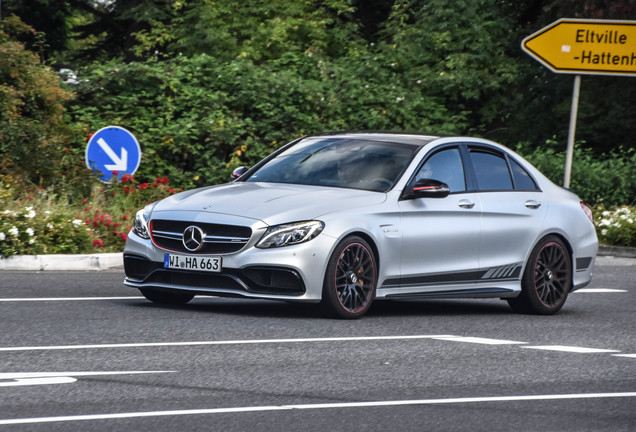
{"type": "Point", "coordinates": [207, 86]}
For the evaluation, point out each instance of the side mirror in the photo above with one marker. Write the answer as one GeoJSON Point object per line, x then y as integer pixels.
{"type": "Point", "coordinates": [429, 188]}
{"type": "Point", "coordinates": [238, 172]}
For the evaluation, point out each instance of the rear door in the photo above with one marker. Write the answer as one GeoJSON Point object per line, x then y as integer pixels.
{"type": "Point", "coordinates": [513, 210]}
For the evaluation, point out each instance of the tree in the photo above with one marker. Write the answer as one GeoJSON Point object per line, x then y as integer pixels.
{"type": "Point", "coordinates": [48, 18]}
{"type": "Point", "coordinates": [33, 134]}
{"type": "Point", "coordinates": [252, 29]}
{"type": "Point", "coordinates": [462, 51]}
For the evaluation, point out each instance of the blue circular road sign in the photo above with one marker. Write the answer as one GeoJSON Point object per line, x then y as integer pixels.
{"type": "Point", "coordinates": [113, 151]}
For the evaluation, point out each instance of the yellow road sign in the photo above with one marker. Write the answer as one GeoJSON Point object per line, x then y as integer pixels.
{"type": "Point", "coordinates": [580, 46]}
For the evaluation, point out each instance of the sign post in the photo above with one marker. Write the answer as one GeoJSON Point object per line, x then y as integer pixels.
{"type": "Point", "coordinates": [579, 46]}
{"type": "Point", "coordinates": [113, 151]}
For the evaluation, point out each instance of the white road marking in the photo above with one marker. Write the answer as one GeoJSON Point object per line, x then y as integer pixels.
{"type": "Point", "coordinates": [37, 381]}
{"type": "Point", "coordinates": [343, 405]}
{"type": "Point", "coordinates": [572, 349]}
{"type": "Point", "coordinates": [625, 355]}
{"type": "Point", "coordinates": [224, 342]}
{"type": "Point", "coordinates": [599, 290]}
{"type": "Point", "coordinates": [478, 340]}
{"type": "Point", "coordinates": [13, 379]}
{"type": "Point", "coordinates": [452, 338]}
{"type": "Point", "coordinates": [46, 299]}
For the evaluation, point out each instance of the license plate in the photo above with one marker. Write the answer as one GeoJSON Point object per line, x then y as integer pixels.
{"type": "Point", "coordinates": [189, 262]}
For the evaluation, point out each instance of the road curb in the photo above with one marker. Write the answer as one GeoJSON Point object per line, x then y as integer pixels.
{"type": "Point", "coordinates": [617, 251]}
{"type": "Point", "coordinates": [62, 262]}
{"type": "Point", "coordinates": [115, 260]}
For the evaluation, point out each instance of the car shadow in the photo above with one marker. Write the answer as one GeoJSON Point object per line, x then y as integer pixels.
{"type": "Point", "coordinates": [289, 310]}
{"type": "Point", "coordinates": [439, 307]}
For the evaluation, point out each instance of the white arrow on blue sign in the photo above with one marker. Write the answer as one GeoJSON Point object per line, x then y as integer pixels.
{"type": "Point", "coordinates": [113, 149]}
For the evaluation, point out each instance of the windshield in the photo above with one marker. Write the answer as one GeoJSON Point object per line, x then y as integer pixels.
{"type": "Point", "coordinates": [339, 162]}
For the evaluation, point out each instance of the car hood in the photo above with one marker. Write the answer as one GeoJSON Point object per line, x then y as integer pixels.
{"type": "Point", "coordinates": [272, 203]}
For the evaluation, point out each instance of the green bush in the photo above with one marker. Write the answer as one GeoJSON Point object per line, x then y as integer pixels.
{"type": "Point", "coordinates": [197, 119]}
{"type": "Point", "coordinates": [35, 229]}
{"type": "Point", "coordinates": [42, 222]}
{"type": "Point", "coordinates": [609, 179]}
{"type": "Point", "coordinates": [616, 226]}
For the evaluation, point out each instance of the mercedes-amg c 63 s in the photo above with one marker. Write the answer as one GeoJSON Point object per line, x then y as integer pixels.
{"type": "Point", "coordinates": [344, 219]}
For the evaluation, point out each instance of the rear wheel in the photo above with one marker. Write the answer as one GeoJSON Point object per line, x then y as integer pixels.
{"type": "Point", "coordinates": [350, 281]}
{"type": "Point", "coordinates": [547, 279]}
{"type": "Point", "coordinates": [166, 297]}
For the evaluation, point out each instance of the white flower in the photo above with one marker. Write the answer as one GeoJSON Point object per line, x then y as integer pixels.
{"type": "Point", "coordinates": [49, 225]}
{"type": "Point", "coordinates": [31, 241]}
{"type": "Point", "coordinates": [2, 236]}
{"type": "Point", "coordinates": [30, 214]}
{"type": "Point", "coordinates": [606, 213]}
{"type": "Point", "coordinates": [605, 222]}
{"type": "Point", "coordinates": [30, 232]}
{"type": "Point", "coordinates": [604, 232]}
{"type": "Point", "coordinates": [14, 231]}
{"type": "Point", "coordinates": [77, 223]}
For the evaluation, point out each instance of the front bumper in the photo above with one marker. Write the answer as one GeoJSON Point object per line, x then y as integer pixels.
{"type": "Point", "coordinates": [294, 273]}
{"type": "Point", "coordinates": [278, 281]}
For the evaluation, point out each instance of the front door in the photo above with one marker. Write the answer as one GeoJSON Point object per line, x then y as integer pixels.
{"type": "Point", "coordinates": [441, 236]}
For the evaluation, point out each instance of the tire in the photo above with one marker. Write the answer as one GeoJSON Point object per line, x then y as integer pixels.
{"type": "Point", "coordinates": [547, 279]}
{"type": "Point", "coordinates": [350, 279]}
{"type": "Point", "coordinates": [166, 297]}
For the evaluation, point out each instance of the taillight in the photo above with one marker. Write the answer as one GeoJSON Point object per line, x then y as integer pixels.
{"type": "Point", "coordinates": [587, 211]}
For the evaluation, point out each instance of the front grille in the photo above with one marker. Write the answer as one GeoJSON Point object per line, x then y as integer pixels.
{"type": "Point", "coordinates": [219, 239]}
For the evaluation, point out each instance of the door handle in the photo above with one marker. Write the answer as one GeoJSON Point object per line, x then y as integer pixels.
{"type": "Point", "coordinates": [533, 204]}
{"type": "Point", "coordinates": [467, 204]}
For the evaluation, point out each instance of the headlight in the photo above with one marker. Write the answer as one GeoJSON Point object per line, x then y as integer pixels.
{"type": "Point", "coordinates": [140, 227]}
{"type": "Point", "coordinates": [290, 234]}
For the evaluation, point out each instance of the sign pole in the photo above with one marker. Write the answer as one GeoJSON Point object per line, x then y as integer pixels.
{"type": "Point", "coordinates": [573, 114]}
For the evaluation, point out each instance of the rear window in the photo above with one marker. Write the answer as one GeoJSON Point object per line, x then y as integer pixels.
{"type": "Point", "coordinates": [523, 181]}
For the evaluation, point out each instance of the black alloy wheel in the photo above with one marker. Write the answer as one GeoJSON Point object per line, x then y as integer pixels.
{"type": "Point", "coordinates": [350, 281]}
{"type": "Point", "coordinates": [547, 279]}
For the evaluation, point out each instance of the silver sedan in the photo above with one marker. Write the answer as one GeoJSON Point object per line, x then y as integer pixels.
{"type": "Point", "coordinates": [344, 219]}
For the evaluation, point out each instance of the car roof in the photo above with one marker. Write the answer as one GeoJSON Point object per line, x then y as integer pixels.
{"type": "Point", "coordinates": [413, 138]}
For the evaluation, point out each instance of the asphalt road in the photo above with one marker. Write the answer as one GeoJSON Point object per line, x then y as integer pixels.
{"type": "Point", "coordinates": [79, 351]}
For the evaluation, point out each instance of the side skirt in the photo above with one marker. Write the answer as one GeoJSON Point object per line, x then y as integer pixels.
{"type": "Point", "coordinates": [466, 293]}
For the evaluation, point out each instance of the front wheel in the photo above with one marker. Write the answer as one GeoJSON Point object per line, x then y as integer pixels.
{"type": "Point", "coordinates": [547, 279]}
{"type": "Point", "coordinates": [350, 280]}
{"type": "Point", "coordinates": [166, 297]}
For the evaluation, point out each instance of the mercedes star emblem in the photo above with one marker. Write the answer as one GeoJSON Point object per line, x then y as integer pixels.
{"type": "Point", "coordinates": [193, 238]}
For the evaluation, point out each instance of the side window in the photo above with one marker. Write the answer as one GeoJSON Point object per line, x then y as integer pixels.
{"type": "Point", "coordinates": [523, 181]}
{"type": "Point", "coordinates": [445, 166]}
{"type": "Point", "coordinates": [491, 170]}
